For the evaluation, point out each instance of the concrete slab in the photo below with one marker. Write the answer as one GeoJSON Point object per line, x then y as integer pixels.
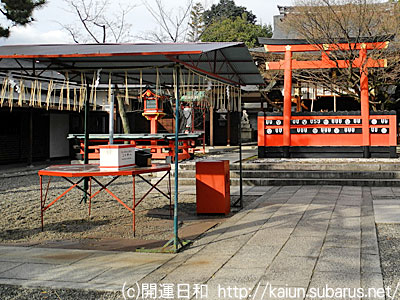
{"type": "Point", "coordinates": [194, 230]}
{"type": "Point", "coordinates": [251, 256]}
{"type": "Point", "coordinates": [217, 290]}
{"type": "Point", "coordinates": [372, 282]}
{"type": "Point", "coordinates": [45, 255]}
{"type": "Point", "coordinates": [385, 201]}
{"type": "Point", "coordinates": [307, 228]}
{"type": "Point", "coordinates": [72, 273]}
{"type": "Point", "coordinates": [238, 276]}
{"type": "Point", "coordinates": [12, 249]}
{"type": "Point", "coordinates": [336, 259]}
{"type": "Point", "coordinates": [29, 271]}
{"type": "Point", "coordinates": [296, 271]}
{"type": "Point", "coordinates": [111, 259]}
{"type": "Point", "coordinates": [129, 275]}
{"type": "Point", "coordinates": [6, 265]}
{"type": "Point", "coordinates": [235, 190]}
{"type": "Point", "coordinates": [303, 246]}
{"type": "Point", "coordinates": [275, 292]}
{"type": "Point", "coordinates": [370, 264]}
{"type": "Point", "coordinates": [335, 280]}
{"type": "Point", "coordinates": [386, 213]}
{"type": "Point", "coordinates": [63, 285]}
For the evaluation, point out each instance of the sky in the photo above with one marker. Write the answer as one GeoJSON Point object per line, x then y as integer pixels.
{"type": "Point", "coordinates": [47, 29]}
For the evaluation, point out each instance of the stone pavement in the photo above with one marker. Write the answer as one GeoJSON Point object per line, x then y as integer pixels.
{"type": "Point", "coordinates": [387, 205]}
{"type": "Point", "coordinates": [232, 153]}
{"type": "Point", "coordinates": [300, 237]}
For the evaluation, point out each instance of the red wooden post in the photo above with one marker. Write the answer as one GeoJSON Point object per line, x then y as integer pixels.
{"type": "Point", "coordinates": [261, 129]}
{"type": "Point", "coordinates": [287, 101]}
{"type": "Point", "coordinates": [153, 126]}
{"type": "Point", "coordinates": [366, 141]}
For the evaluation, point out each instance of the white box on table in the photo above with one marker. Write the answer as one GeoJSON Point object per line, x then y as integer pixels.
{"type": "Point", "coordinates": [117, 157]}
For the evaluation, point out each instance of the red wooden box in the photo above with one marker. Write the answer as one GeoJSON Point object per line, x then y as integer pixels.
{"type": "Point", "coordinates": [213, 187]}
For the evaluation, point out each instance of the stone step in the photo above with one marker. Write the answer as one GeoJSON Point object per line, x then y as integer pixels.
{"type": "Point", "coordinates": [295, 174]}
{"type": "Point", "coordinates": [304, 181]}
{"type": "Point", "coordinates": [314, 166]}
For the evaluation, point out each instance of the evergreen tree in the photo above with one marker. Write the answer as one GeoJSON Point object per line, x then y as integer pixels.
{"type": "Point", "coordinates": [196, 24]}
{"type": "Point", "coordinates": [227, 9]}
{"type": "Point", "coordinates": [17, 12]}
{"type": "Point", "coordinates": [236, 30]}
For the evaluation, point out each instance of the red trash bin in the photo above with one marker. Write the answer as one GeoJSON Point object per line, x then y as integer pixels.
{"type": "Point", "coordinates": [213, 187]}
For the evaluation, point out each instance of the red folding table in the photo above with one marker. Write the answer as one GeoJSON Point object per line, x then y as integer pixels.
{"type": "Point", "coordinates": [90, 171]}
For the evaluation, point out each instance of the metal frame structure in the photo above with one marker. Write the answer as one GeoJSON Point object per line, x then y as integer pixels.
{"type": "Point", "coordinates": [229, 63]}
{"type": "Point", "coordinates": [90, 172]}
{"type": "Point", "coordinates": [161, 145]}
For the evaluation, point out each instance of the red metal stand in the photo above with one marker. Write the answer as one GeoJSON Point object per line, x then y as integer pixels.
{"type": "Point", "coordinates": [187, 146]}
{"type": "Point", "coordinates": [93, 171]}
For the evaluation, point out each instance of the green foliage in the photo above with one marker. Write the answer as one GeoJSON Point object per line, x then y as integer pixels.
{"type": "Point", "coordinates": [227, 9]}
{"type": "Point", "coordinates": [236, 30]}
{"type": "Point", "coordinates": [196, 24]}
{"type": "Point", "coordinates": [17, 12]}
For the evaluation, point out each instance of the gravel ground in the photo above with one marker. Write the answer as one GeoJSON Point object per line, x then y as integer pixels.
{"type": "Point", "coordinates": [8, 292]}
{"type": "Point", "coordinates": [68, 218]}
{"type": "Point", "coordinates": [389, 248]}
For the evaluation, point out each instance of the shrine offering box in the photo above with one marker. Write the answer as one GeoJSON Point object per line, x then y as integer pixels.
{"type": "Point", "coordinates": [213, 187]}
{"type": "Point", "coordinates": [143, 158]}
{"type": "Point", "coordinates": [116, 157]}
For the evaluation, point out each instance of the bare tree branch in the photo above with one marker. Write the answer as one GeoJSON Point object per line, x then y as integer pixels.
{"type": "Point", "coordinates": [98, 22]}
{"type": "Point", "coordinates": [172, 23]}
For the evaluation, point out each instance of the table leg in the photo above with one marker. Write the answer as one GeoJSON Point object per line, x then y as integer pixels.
{"type": "Point", "coordinates": [90, 195]}
{"type": "Point", "coordinates": [170, 194]}
{"type": "Point", "coordinates": [41, 200]}
{"type": "Point", "coordinates": [185, 149]}
{"type": "Point", "coordinates": [134, 205]}
{"type": "Point", "coordinates": [171, 151]}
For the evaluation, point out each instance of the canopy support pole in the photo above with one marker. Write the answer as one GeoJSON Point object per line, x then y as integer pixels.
{"type": "Point", "coordinates": [176, 241]}
{"type": "Point", "coordinates": [86, 149]}
{"type": "Point", "coordinates": [240, 162]}
{"type": "Point", "coordinates": [176, 238]}
{"type": "Point", "coordinates": [239, 202]}
{"type": "Point", "coordinates": [211, 126]}
{"type": "Point", "coordinates": [30, 138]}
{"type": "Point", "coordinates": [111, 120]}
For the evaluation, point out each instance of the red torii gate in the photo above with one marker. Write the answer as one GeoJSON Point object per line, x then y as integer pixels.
{"type": "Point", "coordinates": [288, 64]}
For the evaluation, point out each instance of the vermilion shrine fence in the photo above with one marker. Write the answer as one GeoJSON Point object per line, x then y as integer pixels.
{"type": "Point", "coordinates": [334, 134]}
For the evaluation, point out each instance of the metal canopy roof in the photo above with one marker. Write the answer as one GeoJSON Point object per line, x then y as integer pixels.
{"type": "Point", "coordinates": [272, 41]}
{"type": "Point", "coordinates": [227, 62]}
